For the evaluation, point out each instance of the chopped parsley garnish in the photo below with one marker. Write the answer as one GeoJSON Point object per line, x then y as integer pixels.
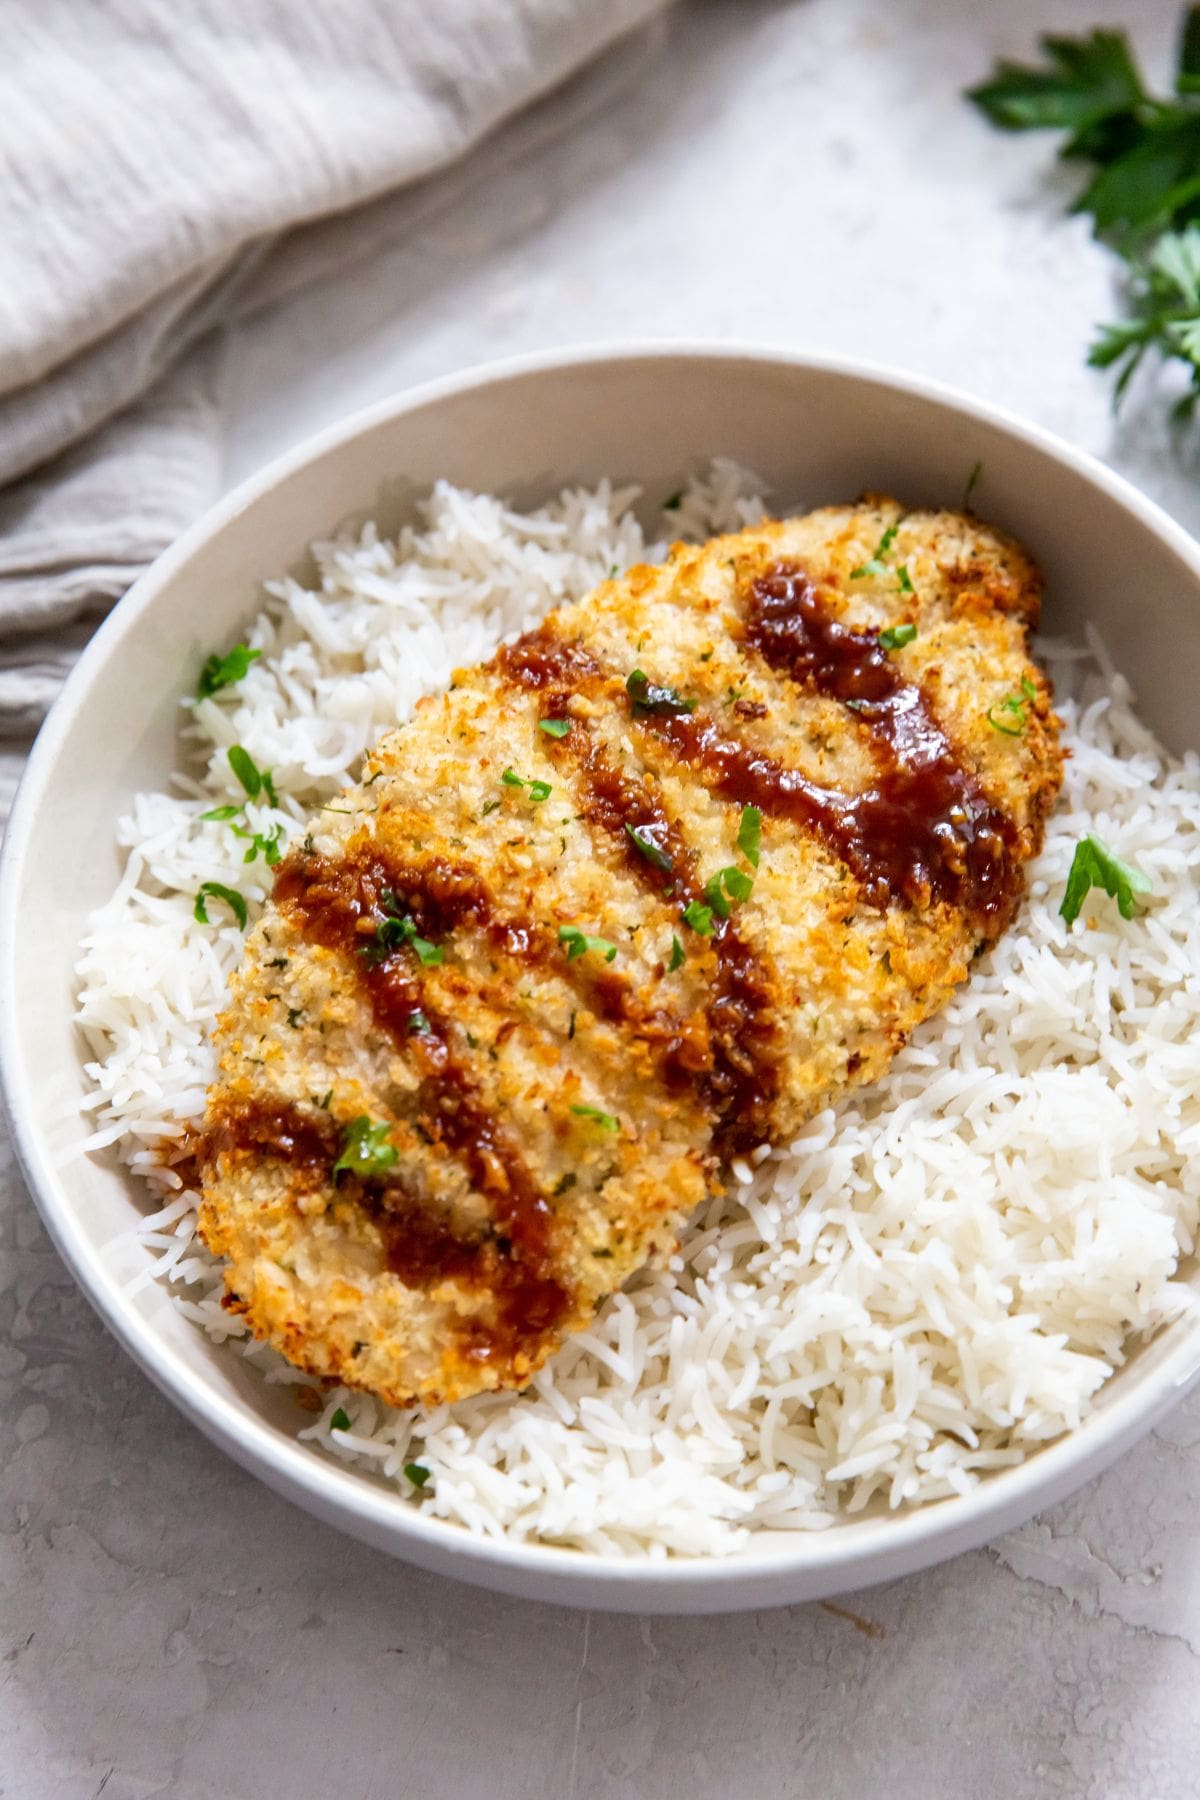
{"type": "Point", "coordinates": [417, 1021]}
{"type": "Point", "coordinates": [896, 636]}
{"type": "Point", "coordinates": [255, 781]}
{"type": "Point", "coordinates": [604, 1120]}
{"type": "Point", "coordinates": [726, 885]}
{"type": "Point", "coordinates": [578, 943]}
{"type": "Point", "coordinates": [676, 954]}
{"type": "Point", "coordinates": [264, 844]}
{"type": "Point", "coordinates": [659, 702]}
{"type": "Point", "coordinates": [876, 565]}
{"type": "Point", "coordinates": [643, 842]}
{"type": "Point", "coordinates": [222, 813]}
{"type": "Point", "coordinates": [340, 1420]}
{"type": "Point", "coordinates": [396, 928]}
{"type": "Point", "coordinates": [216, 891]}
{"type": "Point", "coordinates": [555, 728]}
{"type": "Point", "coordinates": [538, 790]}
{"type": "Point", "coordinates": [222, 671]}
{"type": "Point", "coordinates": [417, 1473]}
{"type": "Point", "coordinates": [365, 1149]}
{"type": "Point", "coordinates": [699, 917]}
{"type": "Point", "coordinates": [489, 807]}
{"type": "Point", "coordinates": [750, 834]}
{"type": "Point", "coordinates": [904, 579]}
{"type": "Point", "coordinates": [1094, 865]}
{"type": "Point", "coordinates": [1009, 716]}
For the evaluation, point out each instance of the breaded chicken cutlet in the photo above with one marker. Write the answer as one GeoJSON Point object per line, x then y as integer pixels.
{"type": "Point", "coordinates": [649, 888]}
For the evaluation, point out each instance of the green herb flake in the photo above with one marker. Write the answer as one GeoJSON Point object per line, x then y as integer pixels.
{"type": "Point", "coordinates": [555, 728]}
{"type": "Point", "coordinates": [1094, 865]}
{"type": "Point", "coordinates": [366, 1149]}
{"type": "Point", "coordinates": [578, 944]}
{"type": "Point", "coordinates": [649, 701]}
{"type": "Point", "coordinates": [221, 814]}
{"type": "Point", "coordinates": [676, 961]}
{"type": "Point", "coordinates": [603, 1120]}
{"type": "Point", "coordinates": [699, 917]}
{"type": "Point", "coordinates": [222, 671]}
{"type": "Point", "coordinates": [489, 807]}
{"type": "Point", "coordinates": [904, 580]}
{"type": "Point", "coordinates": [243, 766]}
{"type": "Point", "coordinates": [216, 891]}
{"type": "Point", "coordinates": [876, 565]}
{"type": "Point", "coordinates": [645, 845]}
{"type": "Point", "coordinates": [340, 1420]}
{"type": "Point", "coordinates": [1008, 716]}
{"type": "Point", "coordinates": [727, 885]}
{"type": "Point", "coordinates": [417, 1021]}
{"type": "Point", "coordinates": [896, 636]}
{"type": "Point", "coordinates": [539, 791]}
{"type": "Point", "coordinates": [418, 1474]}
{"type": "Point", "coordinates": [750, 834]}
{"type": "Point", "coordinates": [510, 778]}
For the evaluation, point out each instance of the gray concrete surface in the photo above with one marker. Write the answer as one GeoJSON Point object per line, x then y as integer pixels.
{"type": "Point", "coordinates": [803, 173]}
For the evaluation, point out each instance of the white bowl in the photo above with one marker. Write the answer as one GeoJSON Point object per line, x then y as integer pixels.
{"type": "Point", "coordinates": [816, 431]}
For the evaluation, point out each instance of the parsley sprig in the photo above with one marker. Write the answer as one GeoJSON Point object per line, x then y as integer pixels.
{"type": "Point", "coordinates": [222, 671]}
{"type": "Point", "coordinates": [1143, 186]}
{"type": "Point", "coordinates": [1094, 865]}
{"type": "Point", "coordinates": [396, 928]}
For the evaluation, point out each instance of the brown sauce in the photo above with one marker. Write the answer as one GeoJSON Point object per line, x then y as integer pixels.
{"type": "Point", "coordinates": [924, 830]}
{"type": "Point", "coordinates": [736, 1074]}
{"type": "Point", "coordinates": [331, 899]}
{"type": "Point", "coordinates": [542, 659]}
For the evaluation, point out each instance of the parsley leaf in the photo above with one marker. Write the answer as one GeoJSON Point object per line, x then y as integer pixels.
{"type": "Point", "coordinates": [217, 891]}
{"type": "Point", "coordinates": [1007, 716]}
{"type": "Point", "coordinates": [222, 671]}
{"type": "Point", "coordinates": [538, 790]}
{"type": "Point", "coordinates": [750, 834]}
{"type": "Point", "coordinates": [604, 1120]}
{"type": "Point", "coordinates": [699, 917]}
{"type": "Point", "coordinates": [1094, 865]}
{"type": "Point", "coordinates": [555, 728]}
{"type": "Point", "coordinates": [365, 1149]}
{"type": "Point", "coordinates": [726, 885]}
{"type": "Point", "coordinates": [641, 840]}
{"type": "Point", "coordinates": [676, 954]}
{"type": "Point", "coordinates": [417, 1473]}
{"type": "Point", "coordinates": [659, 702]}
{"type": "Point", "coordinates": [254, 780]}
{"type": "Point", "coordinates": [396, 928]}
{"type": "Point", "coordinates": [340, 1420]}
{"type": "Point", "coordinates": [578, 943]}
{"type": "Point", "coordinates": [896, 636]}
{"type": "Point", "coordinates": [876, 564]}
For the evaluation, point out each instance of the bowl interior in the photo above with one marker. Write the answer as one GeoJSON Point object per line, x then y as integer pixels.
{"type": "Point", "coordinates": [815, 434]}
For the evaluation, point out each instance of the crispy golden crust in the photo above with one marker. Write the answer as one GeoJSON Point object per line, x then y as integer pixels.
{"type": "Point", "coordinates": [555, 1119]}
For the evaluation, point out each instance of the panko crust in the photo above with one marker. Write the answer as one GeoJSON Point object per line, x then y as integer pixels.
{"type": "Point", "coordinates": [552, 1120]}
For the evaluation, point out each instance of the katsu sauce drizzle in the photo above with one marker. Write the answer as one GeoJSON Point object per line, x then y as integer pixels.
{"type": "Point", "coordinates": [923, 830]}
{"type": "Point", "coordinates": [735, 1073]}
{"type": "Point", "coordinates": [337, 904]}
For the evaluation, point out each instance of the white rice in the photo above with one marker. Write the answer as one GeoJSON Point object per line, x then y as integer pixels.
{"type": "Point", "coordinates": [929, 1282]}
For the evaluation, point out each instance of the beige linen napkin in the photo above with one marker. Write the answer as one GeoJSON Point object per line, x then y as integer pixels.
{"type": "Point", "coordinates": [168, 168]}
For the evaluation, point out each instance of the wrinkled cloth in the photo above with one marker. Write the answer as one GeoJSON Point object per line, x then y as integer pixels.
{"type": "Point", "coordinates": [168, 169]}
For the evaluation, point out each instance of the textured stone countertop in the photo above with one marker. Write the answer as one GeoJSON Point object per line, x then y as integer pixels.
{"type": "Point", "coordinates": [803, 173]}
